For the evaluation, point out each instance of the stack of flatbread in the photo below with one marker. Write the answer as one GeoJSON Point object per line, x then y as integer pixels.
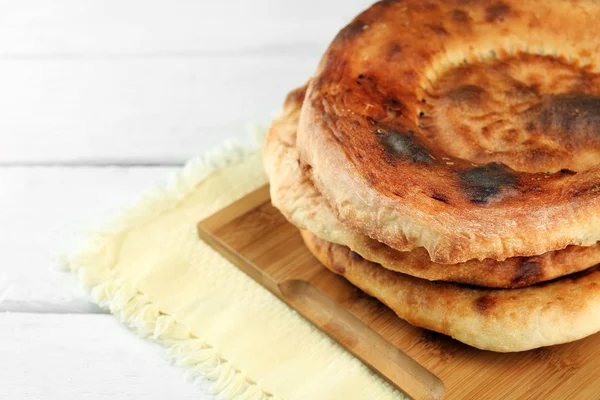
{"type": "Point", "coordinates": [444, 158]}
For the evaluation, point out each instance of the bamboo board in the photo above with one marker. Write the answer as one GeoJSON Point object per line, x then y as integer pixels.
{"type": "Point", "coordinates": [423, 364]}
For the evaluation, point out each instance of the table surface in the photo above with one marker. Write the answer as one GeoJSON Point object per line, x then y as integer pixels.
{"type": "Point", "coordinates": [101, 100]}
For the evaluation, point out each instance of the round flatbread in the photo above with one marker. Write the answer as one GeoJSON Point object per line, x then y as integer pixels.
{"type": "Point", "coordinates": [471, 130]}
{"type": "Point", "coordinates": [294, 194]}
{"type": "Point", "coordinates": [503, 320]}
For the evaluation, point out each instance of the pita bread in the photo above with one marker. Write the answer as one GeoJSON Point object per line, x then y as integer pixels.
{"type": "Point", "coordinates": [294, 194]}
{"type": "Point", "coordinates": [503, 320]}
{"type": "Point", "coordinates": [472, 131]}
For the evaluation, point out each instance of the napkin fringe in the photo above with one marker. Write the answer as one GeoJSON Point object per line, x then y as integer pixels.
{"type": "Point", "coordinates": [135, 309]}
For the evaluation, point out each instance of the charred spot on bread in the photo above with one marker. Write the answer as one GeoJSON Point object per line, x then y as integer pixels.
{"type": "Point", "coordinates": [482, 184]}
{"type": "Point", "coordinates": [497, 12]}
{"type": "Point", "coordinates": [484, 304]}
{"type": "Point", "coordinates": [403, 146]}
{"type": "Point", "coordinates": [528, 271]}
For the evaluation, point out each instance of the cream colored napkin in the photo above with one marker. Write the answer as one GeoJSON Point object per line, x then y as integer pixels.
{"type": "Point", "coordinates": [153, 273]}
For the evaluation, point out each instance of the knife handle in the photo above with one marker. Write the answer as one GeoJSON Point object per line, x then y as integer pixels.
{"type": "Point", "coordinates": [382, 356]}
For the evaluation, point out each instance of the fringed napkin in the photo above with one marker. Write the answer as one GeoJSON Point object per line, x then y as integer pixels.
{"type": "Point", "coordinates": [153, 273]}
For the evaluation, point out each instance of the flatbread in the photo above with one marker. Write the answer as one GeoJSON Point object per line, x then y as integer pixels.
{"type": "Point", "coordinates": [294, 194]}
{"type": "Point", "coordinates": [471, 129]}
{"type": "Point", "coordinates": [503, 320]}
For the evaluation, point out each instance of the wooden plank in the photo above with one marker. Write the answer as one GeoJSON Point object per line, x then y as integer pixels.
{"type": "Point", "coordinates": [76, 28]}
{"type": "Point", "coordinates": [156, 110]}
{"type": "Point", "coordinates": [84, 357]}
{"type": "Point", "coordinates": [43, 213]}
{"type": "Point", "coordinates": [568, 370]}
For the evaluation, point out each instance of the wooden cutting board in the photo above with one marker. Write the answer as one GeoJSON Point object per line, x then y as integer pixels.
{"type": "Point", "coordinates": [426, 365]}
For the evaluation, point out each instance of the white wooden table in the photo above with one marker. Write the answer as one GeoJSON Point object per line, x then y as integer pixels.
{"type": "Point", "coordinates": [99, 100]}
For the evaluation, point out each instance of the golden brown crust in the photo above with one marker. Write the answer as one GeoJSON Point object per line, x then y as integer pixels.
{"type": "Point", "coordinates": [293, 192]}
{"type": "Point", "coordinates": [472, 131]}
{"type": "Point", "coordinates": [503, 320]}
